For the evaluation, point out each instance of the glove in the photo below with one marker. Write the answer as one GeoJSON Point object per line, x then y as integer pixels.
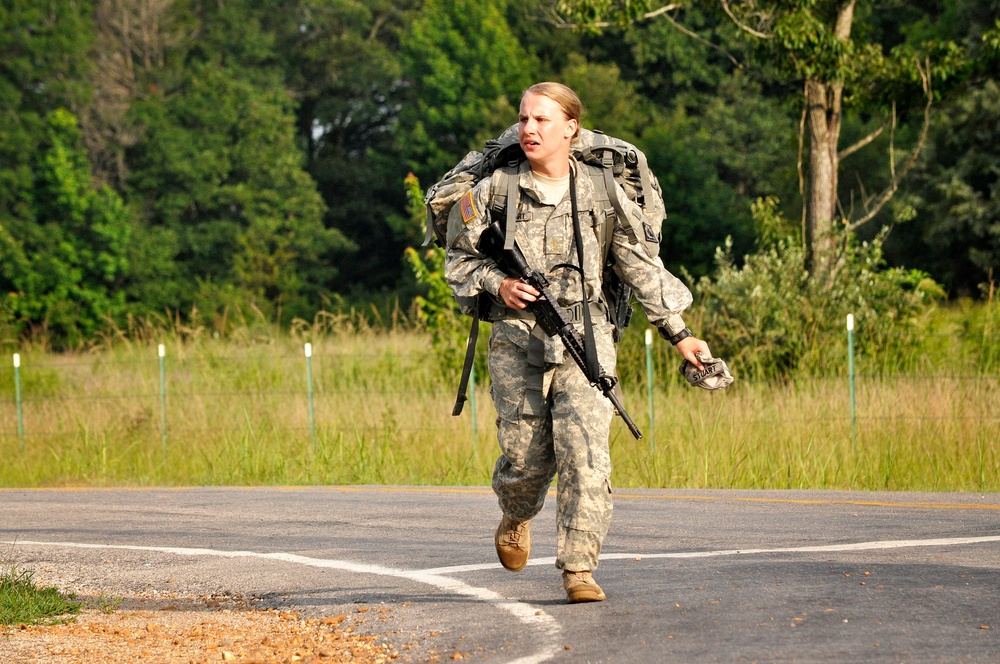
{"type": "Point", "coordinates": [715, 376]}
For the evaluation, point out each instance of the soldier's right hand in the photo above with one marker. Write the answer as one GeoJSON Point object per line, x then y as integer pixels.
{"type": "Point", "coordinates": [516, 294]}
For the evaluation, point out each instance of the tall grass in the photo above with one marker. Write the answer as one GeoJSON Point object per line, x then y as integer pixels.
{"type": "Point", "coordinates": [238, 414]}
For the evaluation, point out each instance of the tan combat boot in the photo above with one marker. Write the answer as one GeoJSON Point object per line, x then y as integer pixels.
{"type": "Point", "coordinates": [581, 587]}
{"type": "Point", "coordinates": [513, 541]}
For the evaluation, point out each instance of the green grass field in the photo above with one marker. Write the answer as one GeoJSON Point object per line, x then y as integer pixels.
{"type": "Point", "coordinates": [238, 413]}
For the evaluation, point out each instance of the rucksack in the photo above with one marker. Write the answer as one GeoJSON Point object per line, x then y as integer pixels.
{"type": "Point", "coordinates": [609, 160]}
{"type": "Point", "coordinates": [615, 161]}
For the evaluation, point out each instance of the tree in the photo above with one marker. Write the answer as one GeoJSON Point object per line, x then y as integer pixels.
{"type": "Point", "coordinates": [44, 45]}
{"type": "Point", "coordinates": [810, 41]}
{"type": "Point", "coordinates": [220, 173]}
{"type": "Point", "coordinates": [706, 160]}
{"type": "Point", "coordinates": [465, 71]}
{"type": "Point", "coordinates": [340, 62]}
{"type": "Point", "coordinates": [62, 269]}
{"type": "Point", "coordinates": [956, 188]}
{"type": "Point", "coordinates": [957, 193]}
{"type": "Point", "coordinates": [132, 41]}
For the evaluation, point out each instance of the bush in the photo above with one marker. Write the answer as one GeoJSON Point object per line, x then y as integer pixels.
{"type": "Point", "coordinates": [770, 318]}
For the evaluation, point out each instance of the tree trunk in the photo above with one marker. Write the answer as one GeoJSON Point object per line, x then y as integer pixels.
{"type": "Point", "coordinates": [824, 102]}
{"type": "Point", "coordinates": [823, 108]}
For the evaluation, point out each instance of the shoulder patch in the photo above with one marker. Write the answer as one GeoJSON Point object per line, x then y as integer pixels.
{"type": "Point", "coordinates": [648, 231]}
{"type": "Point", "coordinates": [468, 207]}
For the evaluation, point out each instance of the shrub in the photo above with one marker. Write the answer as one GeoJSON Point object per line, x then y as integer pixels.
{"type": "Point", "coordinates": [770, 318]}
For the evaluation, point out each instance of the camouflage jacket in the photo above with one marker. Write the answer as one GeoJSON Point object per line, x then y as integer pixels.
{"type": "Point", "coordinates": [545, 235]}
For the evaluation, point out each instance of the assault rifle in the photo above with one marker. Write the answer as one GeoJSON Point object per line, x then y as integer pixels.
{"type": "Point", "coordinates": [550, 315]}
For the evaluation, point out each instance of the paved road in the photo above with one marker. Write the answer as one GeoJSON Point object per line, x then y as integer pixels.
{"type": "Point", "coordinates": [713, 576]}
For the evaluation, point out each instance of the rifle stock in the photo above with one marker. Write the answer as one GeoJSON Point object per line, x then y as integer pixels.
{"type": "Point", "coordinates": [551, 316]}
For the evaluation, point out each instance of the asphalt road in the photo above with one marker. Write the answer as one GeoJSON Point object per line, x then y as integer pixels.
{"type": "Point", "coordinates": [710, 576]}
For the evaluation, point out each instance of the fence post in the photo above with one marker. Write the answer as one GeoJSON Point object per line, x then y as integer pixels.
{"type": "Point", "coordinates": [17, 399]}
{"type": "Point", "coordinates": [850, 372]}
{"type": "Point", "coordinates": [161, 351]}
{"type": "Point", "coordinates": [309, 388]}
{"type": "Point", "coordinates": [649, 390]}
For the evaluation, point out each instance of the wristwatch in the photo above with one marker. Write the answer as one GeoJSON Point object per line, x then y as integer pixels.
{"type": "Point", "coordinates": [677, 338]}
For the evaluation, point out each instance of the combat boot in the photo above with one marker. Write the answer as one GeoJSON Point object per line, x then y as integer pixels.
{"type": "Point", "coordinates": [513, 542]}
{"type": "Point", "coordinates": [581, 587]}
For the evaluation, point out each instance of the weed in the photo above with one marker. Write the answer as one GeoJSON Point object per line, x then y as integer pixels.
{"type": "Point", "coordinates": [106, 604]}
{"type": "Point", "coordinates": [24, 602]}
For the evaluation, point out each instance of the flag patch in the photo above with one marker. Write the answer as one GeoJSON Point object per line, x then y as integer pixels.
{"type": "Point", "coordinates": [468, 207]}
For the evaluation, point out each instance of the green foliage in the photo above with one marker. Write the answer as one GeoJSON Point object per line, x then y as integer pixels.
{"type": "Point", "coordinates": [467, 71]}
{"type": "Point", "coordinates": [44, 45]}
{"type": "Point", "coordinates": [61, 270]}
{"type": "Point", "coordinates": [991, 41]}
{"type": "Point", "coordinates": [411, 227]}
{"type": "Point", "coordinates": [588, 12]}
{"type": "Point", "coordinates": [774, 321]}
{"type": "Point", "coordinates": [24, 602]}
{"type": "Point", "coordinates": [435, 307]}
{"type": "Point", "coordinates": [805, 42]}
{"type": "Point", "coordinates": [342, 65]}
{"type": "Point", "coordinates": [612, 105]}
{"type": "Point", "coordinates": [711, 165]}
{"type": "Point", "coordinates": [221, 174]}
{"type": "Point", "coordinates": [956, 193]}
{"type": "Point", "coordinates": [254, 147]}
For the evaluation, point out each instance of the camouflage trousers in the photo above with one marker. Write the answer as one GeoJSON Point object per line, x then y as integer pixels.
{"type": "Point", "coordinates": [550, 422]}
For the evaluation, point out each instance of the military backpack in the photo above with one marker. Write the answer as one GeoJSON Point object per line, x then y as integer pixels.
{"type": "Point", "coordinates": [609, 160]}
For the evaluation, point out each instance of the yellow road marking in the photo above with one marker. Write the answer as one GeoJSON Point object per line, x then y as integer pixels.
{"type": "Point", "coordinates": [487, 491]}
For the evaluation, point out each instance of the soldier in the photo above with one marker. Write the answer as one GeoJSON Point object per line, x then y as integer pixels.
{"type": "Point", "coordinates": [550, 419]}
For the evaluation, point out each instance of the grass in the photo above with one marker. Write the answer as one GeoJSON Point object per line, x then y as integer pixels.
{"type": "Point", "coordinates": [237, 413]}
{"type": "Point", "coordinates": [24, 602]}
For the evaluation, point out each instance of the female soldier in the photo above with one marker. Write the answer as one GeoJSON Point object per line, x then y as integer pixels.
{"type": "Point", "coordinates": [550, 419]}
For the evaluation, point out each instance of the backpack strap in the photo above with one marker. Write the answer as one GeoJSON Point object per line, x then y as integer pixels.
{"type": "Point", "coordinates": [628, 224]}
{"type": "Point", "coordinates": [508, 243]}
{"type": "Point", "coordinates": [593, 369]}
{"type": "Point", "coordinates": [429, 235]}
{"type": "Point", "coordinates": [470, 358]}
{"type": "Point", "coordinates": [644, 180]}
{"type": "Point", "coordinates": [602, 199]}
{"type": "Point", "coordinates": [504, 198]}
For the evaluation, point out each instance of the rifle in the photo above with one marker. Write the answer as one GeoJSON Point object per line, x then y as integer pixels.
{"type": "Point", "coordinates": [550, 315]}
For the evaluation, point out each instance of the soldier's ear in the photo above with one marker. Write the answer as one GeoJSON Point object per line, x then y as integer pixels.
{"type": "Point", "coordinates": [571, 127]}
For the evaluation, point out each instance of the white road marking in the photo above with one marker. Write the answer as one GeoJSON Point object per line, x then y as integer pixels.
{"type": "Point", "coordinates": [825, 548]}
{"type": "Point", "coordinates": [530, 615]}
{"type": "Point", "coordinates": [547, 626]}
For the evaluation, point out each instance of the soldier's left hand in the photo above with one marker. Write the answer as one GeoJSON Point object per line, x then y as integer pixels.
{"type": "Point", "coordinates": [689, 349]}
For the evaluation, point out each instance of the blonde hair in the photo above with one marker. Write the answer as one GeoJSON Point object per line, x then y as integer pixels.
{"type": "Point", "coordinates": [561, 94]}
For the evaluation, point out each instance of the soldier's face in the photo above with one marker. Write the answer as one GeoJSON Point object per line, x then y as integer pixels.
{"type": "Point", "coordinates": [544, 131]}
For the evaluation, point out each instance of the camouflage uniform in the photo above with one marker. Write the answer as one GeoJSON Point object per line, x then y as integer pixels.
{"type": "Point", "coordinates": [550, 419]}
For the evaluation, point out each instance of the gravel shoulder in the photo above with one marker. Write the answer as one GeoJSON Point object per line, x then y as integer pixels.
{"type": "Point", "coordinates": [154, 626]}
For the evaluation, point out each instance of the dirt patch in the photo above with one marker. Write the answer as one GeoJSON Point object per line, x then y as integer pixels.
{"type": "Point", "coordinates": [191, 629]}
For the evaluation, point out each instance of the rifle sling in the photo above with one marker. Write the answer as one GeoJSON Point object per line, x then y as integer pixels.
{"type": "Point", "coordinates": [590, 346]}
